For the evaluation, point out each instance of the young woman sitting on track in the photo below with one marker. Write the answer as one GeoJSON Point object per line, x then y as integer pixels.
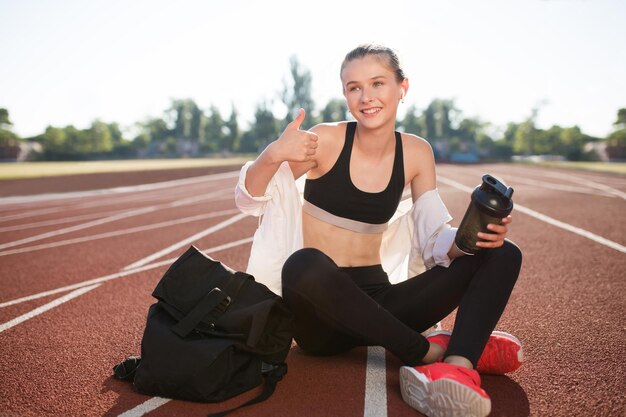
{"type": "Point", "coordinates": [338, 249]}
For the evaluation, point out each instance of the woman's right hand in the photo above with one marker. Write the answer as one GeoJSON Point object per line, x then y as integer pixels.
{"type": "Point", "coordinates": [294, 145]}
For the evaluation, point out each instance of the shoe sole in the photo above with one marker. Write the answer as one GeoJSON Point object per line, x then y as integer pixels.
{"type": "Point", "coordinates": [441, 398]}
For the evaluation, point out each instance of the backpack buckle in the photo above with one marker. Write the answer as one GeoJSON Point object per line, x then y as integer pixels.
{"type": "Point", "coordinates": [223, 305]}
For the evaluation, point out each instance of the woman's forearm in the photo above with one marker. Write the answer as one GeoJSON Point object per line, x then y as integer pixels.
{"type": "Point", "coordinates": [261, 172]}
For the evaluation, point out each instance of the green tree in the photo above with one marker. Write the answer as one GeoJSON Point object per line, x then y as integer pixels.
{"type": "Point", "coordinates": [233, 135]}
{"type": "Point", "coordinates": [67, 143]}
{"type": "Point", "coordinates": [620, 123]}
{"type": "Point", "coordinates": [197, 123]}
{"type": "Point", "coordinates": [548, 142]}
{"type": "Point", "coordinates": [438, 118]}
{"type": "Point", "coordinates": [616, 141]}
{"type": "Point", "coordinates": [411, 122]}
{"type": "Point", "coordinates": [182, 113]}
{"type": "Point", "coordinates": [469, 130]}
{"type": "Point", "coordinates": [335, 110]}
{"type": "Point", "coordinates": [214, 131]}
{"type": "Point", "coordinates": [263, 130]}
{"type": "Point", "coordinates": [526, 135]}
{"type": "Point", "coordinates": [573, 141]}
{"type": "Point", "coordinates": [8, 138]}
{"type": "Point", "coordinates": [187, 127]}
{"type": "Point", "coordinates": [117, 138]}
{"type": "Point", "coordinates": [510, 132]}
{"type": "Point", "coordinates": [9, 141]}
{"type": "Point", "coordinates": [99, 138]}
{"type": "Point", "coordinates": [4, 117]}
{"type": "Point", "coordinates": [618, 137]}
{"type": "Point", "coordinates": [154, 134]}
{"type": "Point", "coordinates": [78, 142]}
{"type": "Point", "coordinates": [297, 93]}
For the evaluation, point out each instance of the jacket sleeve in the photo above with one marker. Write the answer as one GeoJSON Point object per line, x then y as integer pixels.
{"type": "Point", "coordinates": [248, 204]}
{"type": "Point", "coordinates": [432, 235]}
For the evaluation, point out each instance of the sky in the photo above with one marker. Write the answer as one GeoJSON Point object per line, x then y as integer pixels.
{"type": "Point", "coordinates": [68, 62]}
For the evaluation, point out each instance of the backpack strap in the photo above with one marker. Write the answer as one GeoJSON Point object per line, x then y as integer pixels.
{"type": "Point", "coordinates": [215, 302]}
{"type": "Point", "coordinates": [272, 373]}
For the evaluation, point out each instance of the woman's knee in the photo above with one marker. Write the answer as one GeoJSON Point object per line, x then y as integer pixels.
{"type": "Point", "coordinates": [507, 258]}
{"type": "Point", "coordinates": [510, 252]}
{"type": "Point", "coordinates": [303, 267]}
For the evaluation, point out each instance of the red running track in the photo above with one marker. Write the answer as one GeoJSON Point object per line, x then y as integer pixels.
{"type": "Point", "coordinates": [69, 310]}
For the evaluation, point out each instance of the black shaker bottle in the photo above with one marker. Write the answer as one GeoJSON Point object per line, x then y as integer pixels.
{"type": "Point", "coordinates": [490, 203]}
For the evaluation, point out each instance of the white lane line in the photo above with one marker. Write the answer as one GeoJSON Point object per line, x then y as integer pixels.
{"type": "Point", "coordinates": [589, 183]}
{"type": "Point", "coordinates": [117, 233]}
{"type": "Point", "coordinates": [187, 241]}
{"type": "Point", "coordinates": [106, 200]}
{"type": "Point", "coordinates": [375, 383]}
{"type": "Point", "coordinates": [23, 214]}
{"type": "Point", "coordinates": [108, 191]}
{"type": "Point", "coordinates": [64, 207]}
{"type": "Point", "coordinates": [558, 187]}
{"type": "Point", "coordinates": [55, 222]}
{"type": "Point", "coordinates": [45, 307]}
{"type": "Point", "coordinates": [510, 178]}
{"type": "Point", "coordinates": [120, 216]}
{"type": "Point", "coordinates": [81, 226]}
{"type": "Point", "coordinates": [118, 274]}
{"type": "Point", "coordinates": [540, 216]}
{"type": "Point", "coordinates": [581, 232]}
{"type": "Point", "coordinates": [145, 407]}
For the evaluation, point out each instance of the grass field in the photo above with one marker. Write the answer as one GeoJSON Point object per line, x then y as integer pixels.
{"type": "Point", "coordinates": [19, 170]}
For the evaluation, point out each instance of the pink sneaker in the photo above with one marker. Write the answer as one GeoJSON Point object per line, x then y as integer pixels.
{"type": "Point", "coordinates": [444, 390]}
{"type": "Point", "coordinates": [502, 354]}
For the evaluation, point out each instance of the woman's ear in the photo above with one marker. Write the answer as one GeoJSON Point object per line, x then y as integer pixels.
{"type": "Point", "coordinates": [404, 87]}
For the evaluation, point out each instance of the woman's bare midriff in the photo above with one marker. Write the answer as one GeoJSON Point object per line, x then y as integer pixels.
{"type": "Point", "coordinates": [343, 246]}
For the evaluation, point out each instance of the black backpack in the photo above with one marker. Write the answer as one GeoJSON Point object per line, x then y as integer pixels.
{"type": "Point", "coordinates": [213, 334]}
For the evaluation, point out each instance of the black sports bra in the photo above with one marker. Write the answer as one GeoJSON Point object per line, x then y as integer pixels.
{"type": "Point", "coordinates": [333, 197]}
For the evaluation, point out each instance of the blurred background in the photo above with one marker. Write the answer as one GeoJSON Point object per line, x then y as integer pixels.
{"type": "Point", "coordinates": [527, 80]}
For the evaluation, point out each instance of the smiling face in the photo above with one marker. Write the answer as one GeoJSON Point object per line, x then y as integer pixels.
{"type": "Point", "coordinates": [372, 90]}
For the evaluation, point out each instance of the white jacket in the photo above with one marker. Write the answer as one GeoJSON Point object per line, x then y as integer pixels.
{"type": "Point", "coordinates": [418, 235]}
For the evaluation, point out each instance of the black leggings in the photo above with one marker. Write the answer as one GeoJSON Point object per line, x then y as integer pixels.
{"type": "Point", "coordinates": [339, 308]}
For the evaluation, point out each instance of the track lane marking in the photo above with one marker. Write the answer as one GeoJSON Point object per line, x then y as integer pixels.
{"type": "Point", "coordinates": [590, 183]}
{"type": "Point", "coordinates": [145, 407]}
{"type": "Point", "coordinates": [589, 190]}
{"type": "Point", "coordinates": [55, 222]}
{"type": "Point", "coordinates": [566, 226]}
{"type": "Point", "coordinates": [547, 219]}
{"type": "Point", "coordinates": [49, 306]}
{"type": "Point", "coordinates": [558, 187]}
{"type": "Point", "coordinates": [120, 274]}
{"type": "Point", "coordinates": [185, 242]}
{"type": "Point", "coordinates": [120, 216]}
{"type": "Point", "coordinates": [116, 190]}
{"type": "Point", "coordinates": [117, 233]}
{"type": "Point", "coordinates": [80, 205]}
{"type": "Point", "coordinates": [110, 200]}
{"type": "Point", "coordinates": [375, 383]}
{"type": "Point", "coordinates": [579, 179]}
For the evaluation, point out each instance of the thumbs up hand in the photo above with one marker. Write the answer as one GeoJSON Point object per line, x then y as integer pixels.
{"type": "Point", "coordinates": [295, 145]}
